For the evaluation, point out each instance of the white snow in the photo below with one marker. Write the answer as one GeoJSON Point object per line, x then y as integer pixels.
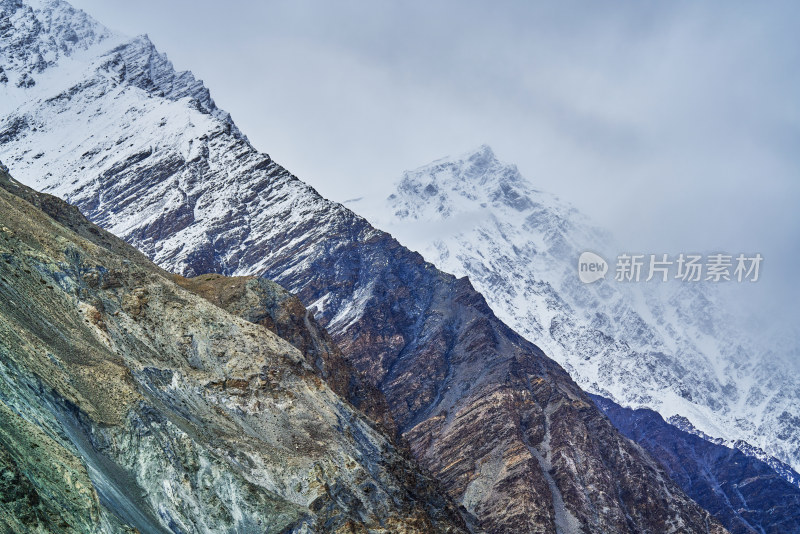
{"type": "Point", "coordinates": [670, 347]}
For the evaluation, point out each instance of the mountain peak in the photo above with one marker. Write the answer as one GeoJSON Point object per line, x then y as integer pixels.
{"type": "Point", "coordinates": [479, 165]}
{"type": "Point", "coordinates": [461, 184]}
{"type": "Point", "coordinates": [481, 154]}
{"type": "Point", "coordinates": [39, 35]}
{"type": "Point", "coordinates": [50, 47]}
{"type": "Point", "coordinates": [473, 164]}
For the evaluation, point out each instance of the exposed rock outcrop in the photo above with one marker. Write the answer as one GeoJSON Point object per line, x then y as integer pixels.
{"type": "Point", "coordinates": [744, 493]}
{"type": "Point", "coordinates": [128, 403]}
{"type": "Point", "coordinates": [264, 302]}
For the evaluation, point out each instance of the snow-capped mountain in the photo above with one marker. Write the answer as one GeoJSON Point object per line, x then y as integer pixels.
{"type": "Point", "coordinates": [670, 347]}
{"type": "Point", "coordinates": [143, 151]}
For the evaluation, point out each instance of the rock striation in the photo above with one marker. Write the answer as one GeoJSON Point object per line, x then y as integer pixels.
{"type": "Point", "coordinates": [130, 404]}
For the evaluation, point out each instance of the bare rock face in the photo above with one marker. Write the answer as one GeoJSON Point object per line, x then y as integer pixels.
{"type": "Point", "coordinates": [502, 426]}
{"type": "Point", "coordinates": [265, 303]}
{"type": "Point", "coordinates": [130, 403]}
{"type": "Point", "coordinates": [744, 493]}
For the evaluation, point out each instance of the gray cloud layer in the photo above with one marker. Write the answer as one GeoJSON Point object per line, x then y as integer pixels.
{"type": "Point", "coordinates": [674, 124]}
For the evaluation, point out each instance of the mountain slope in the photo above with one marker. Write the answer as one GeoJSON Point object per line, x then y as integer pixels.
{"type": "Point", "coordinates": [264, 302]}
{"type": "Point", "coordinates": [746, 494]}
{"type": "Point", "coordinates": [130, 401]}
{"type": "Point", "coordinates": [504, 428]}
{"type": "Point", "coordinates": [670, 347]}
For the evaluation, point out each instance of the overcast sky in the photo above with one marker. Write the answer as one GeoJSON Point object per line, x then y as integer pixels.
{"type": "Point", "coordinates": [673, 124]}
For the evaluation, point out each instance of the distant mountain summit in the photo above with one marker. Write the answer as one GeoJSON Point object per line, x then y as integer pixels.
{"type": "Point", "coordinates": [474, 182]}
{"type": "Point", "coordinates": [670, 347]}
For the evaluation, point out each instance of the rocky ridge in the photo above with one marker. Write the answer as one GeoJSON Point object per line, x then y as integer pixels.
{"type": "Point", "coordinates": [131, 403]}
{"type": "Point", "coordinates": [265, 303]}
{"type": "Point", "coordinates": [746, 494]}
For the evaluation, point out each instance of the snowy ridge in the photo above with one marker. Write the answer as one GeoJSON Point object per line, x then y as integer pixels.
{"type": "Point", "coordinates": [45, 43]}
{"type": "Point", "coordinates": [104, 129]}
{"type": "Point", "coordinates": [672, 348]}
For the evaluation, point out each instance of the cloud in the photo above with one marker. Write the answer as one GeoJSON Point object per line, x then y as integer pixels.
{"type": "Point", "coordinates": [674, 124]}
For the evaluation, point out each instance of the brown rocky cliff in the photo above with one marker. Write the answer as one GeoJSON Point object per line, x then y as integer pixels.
{"type": "Point", "coordinates": [265, 303]}
{"type": "Point", "coordinates": [506, 430]}
{"type": "Point", "coordinates": [131, 403]}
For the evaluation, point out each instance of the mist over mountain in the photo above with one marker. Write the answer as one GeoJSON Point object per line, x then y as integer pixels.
{"type": "Point", "coordinates": [672, 125]}
{"type": "Point", "coordinates": [676, 347]}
